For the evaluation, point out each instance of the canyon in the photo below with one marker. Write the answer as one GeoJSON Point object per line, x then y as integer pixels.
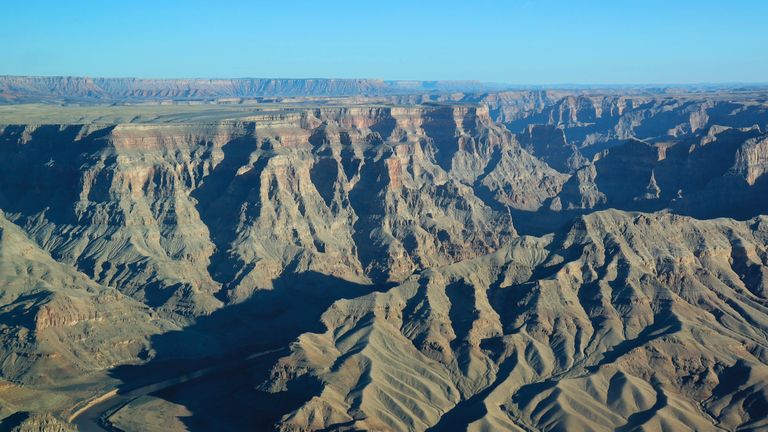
{"type": "Point", "coordinates": [381, 255]}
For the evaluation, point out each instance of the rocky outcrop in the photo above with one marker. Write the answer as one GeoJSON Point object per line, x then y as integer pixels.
{"type": "Point", "coordinates": [56, 323]}
{"type": "Point", "coordinates": [622, 320]}
{"type": "Point", "coordinates": [549, 144]}
{"type": "Point", "coordinates": [116, 206]}
{"type": "Point", "coordinates": [752, 160]}
{"type": "Point", "coordinates": [594, 120]}
{"type": "Point", "coordinates": [720, 174]}
{"type": "Point", "coordinates": [182, 216]}
{"type": "Point", "coordinates": [40, 423]}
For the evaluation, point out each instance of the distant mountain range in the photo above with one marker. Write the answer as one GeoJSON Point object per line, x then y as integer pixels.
{"type": "Point", "coordinates": [31, 89]}
{"type": "Point", "coordinates": [72, 89]}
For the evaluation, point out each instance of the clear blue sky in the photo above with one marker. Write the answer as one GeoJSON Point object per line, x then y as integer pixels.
{"type": "Point", "coordinates": [512, 41]}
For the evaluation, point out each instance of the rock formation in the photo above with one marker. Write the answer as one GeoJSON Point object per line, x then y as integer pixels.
{"type": "Point", "coordinates": [411, 258]}
{"type": "Point", "coordinates": [621, 321]}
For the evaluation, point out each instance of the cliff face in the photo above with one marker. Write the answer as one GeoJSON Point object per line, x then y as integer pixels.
{"type": "Point", "coordinates": [549, 144]}
{"type": "Point", "coordinates": [752, 160]}
{"type": "Point", "coordinates": [186, 217]}
{"type": "Point", "coordinates": [114, 206]}
{"type": "Point", "coordinates": [694, 153]}
{"type": "Point", "coordinates": [719, 174]}
{"type": "Point", "coordinates": [595, 120]}
{"type": "Point", "coordinates": [57, 323]}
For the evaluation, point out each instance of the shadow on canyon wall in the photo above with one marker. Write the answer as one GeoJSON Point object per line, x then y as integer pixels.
{"type": "Point", "coordinates": [271, 319]}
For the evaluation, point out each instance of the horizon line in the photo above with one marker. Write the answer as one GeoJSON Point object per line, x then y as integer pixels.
{"type": "Point", "coordinates": [385, 80]}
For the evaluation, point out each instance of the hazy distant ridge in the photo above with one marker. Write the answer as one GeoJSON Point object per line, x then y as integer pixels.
{"type": "Point", "coordinates": [30, 88]}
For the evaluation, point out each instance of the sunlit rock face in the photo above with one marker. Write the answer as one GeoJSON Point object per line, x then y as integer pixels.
{"type": "Point", "coordinates": [619, 317]}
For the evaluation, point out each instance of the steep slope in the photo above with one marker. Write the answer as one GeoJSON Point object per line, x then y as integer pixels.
{"type": "Point", "coordinates": [594, 120]}
{"type": "Point", "coordinates": [549, 144]}
{"type": "Point", "coordinates": [56, 323]}
{"type": "Point", "coordinates": [116, 206]}
{"type": "Point", "coordinates": [26, 422]}
{"type": "Point", "coordinates": [719, 174]}
{"type": "Point", "coordinates": [177, 215]}
{"type": "Point", "coordinates": [626, 321]}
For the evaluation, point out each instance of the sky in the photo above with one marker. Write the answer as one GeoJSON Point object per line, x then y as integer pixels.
{"type": "Point", "coordinates": [514, 41]}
